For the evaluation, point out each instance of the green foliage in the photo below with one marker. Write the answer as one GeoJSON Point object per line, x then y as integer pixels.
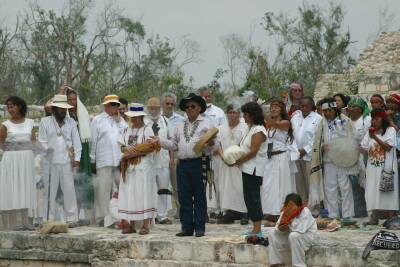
{"type": "Point", "coordinates": [309, 44]}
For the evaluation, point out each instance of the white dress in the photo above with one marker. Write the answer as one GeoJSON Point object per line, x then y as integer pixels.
{"type": "Point", "coordinates": [278, 178]}
{"type": "Point", "coordinates": [17, 170]}
{"type": "Point", "coordinates": [137, 199]}
{"type": "Point", "coordinates": [375, 198]}
{"type": "Point", "coordinates": [230, 178]}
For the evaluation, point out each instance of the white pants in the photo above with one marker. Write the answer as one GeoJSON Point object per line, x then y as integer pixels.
{"type": "Point", "coordinates": [164, 201]}
{"type": "Point", "coordinates": [60, 176]}
{"type": "Point", "coordinates": [335, 179]}
{"type": "Point", "coordinates": [103, 183]}
{"type": "Point", "coordinates": [282, 244]}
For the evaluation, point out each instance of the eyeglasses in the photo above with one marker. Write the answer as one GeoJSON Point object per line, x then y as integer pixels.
{"type": "Point", "coordinates": [169, 104]}
{"type": "Point", "coordinates": [190, 107]}
{"type": "Point", "coordinates": [113, 104]}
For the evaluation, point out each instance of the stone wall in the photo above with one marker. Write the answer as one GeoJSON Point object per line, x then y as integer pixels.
{"type": "Point", "coordinates": [380, 67]}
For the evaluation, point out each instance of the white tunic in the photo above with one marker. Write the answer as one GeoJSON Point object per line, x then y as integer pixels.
{"type": "Point", "coordinates": [230, 178]}
{"type": "Point", "coordinates": [161, 158]}
{"type": "Point", "coordinates": [215, 114]}
{"type": "Point", "coordinates": [254, 165]}
{"type": "Point", "coordinates": [304, 131]}
{"type": "Point", "coordinates": [138, 193]}
{"type": "Point", "coordinates": [17, 173]}
{"type": "Point", "coordinates": [278, 180]}
{"type": "Point", "coordinates": [377, 160]}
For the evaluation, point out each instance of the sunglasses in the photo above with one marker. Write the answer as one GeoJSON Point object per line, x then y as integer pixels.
{"type": "Point", "coordinates": [113, 104]}
{"type": "Point", "coordinates": [190, 107]}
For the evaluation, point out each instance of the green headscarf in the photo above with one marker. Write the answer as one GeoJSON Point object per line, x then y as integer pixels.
{"type": "Point", "coordinates": [359, 102]}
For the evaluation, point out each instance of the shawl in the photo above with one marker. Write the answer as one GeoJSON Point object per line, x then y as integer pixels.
{"type": "Point", "coordinates": [141, 148]}
{"type": "Point", "coordinates": [289, 212]}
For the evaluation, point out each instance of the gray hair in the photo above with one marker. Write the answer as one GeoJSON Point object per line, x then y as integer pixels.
{"type": "Point", "coordinates": [234, 107]}
{"type": "Point", "coordinates": [168, 94]}
{"type": "Point", "coordinates": [204, 89]}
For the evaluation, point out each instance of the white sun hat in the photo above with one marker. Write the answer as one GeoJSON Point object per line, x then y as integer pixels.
{"type": "Point", "coordinates": [60, 101]}
{"type": "Point", "coordinates": [135, 110]}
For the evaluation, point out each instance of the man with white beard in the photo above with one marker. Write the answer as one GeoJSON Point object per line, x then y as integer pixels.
{"type": "Point", "coordinates": [160, 127]}
{"type": "Point", "coordinates": [218, 117]}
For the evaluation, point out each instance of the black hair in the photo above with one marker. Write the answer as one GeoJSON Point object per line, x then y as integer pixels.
{"type": "Point", "coordinates": [345, 99]}
{"type": "Point", "coordinates": [311, 100]}
{"type": "Point", "coordinates": [231, 107]}
{"type": "Point", "coordinates": [123, 101]}
{"type": "Point", "coordinates": [319, 103]}
{"type": "Point", "coordinates": [296, 198]}
{"type": "Point", "coordinates": [385, 121]}
{"type": "Point", "coordinates": [331, 100]}
{"type": "Point", "coordinates": [284, 116]}
{"type": "Point", "coordinates": [70, 92]}
{"type": "Point", "coordinates": [255, 112]}
{"type": "Point", "coordinates": [17, 101]}
{"type": "Point", "coordinates": [380, 97]}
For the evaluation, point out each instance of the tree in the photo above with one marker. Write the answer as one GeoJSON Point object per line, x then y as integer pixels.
{"type": "Point", "coordinates": [310, 44]}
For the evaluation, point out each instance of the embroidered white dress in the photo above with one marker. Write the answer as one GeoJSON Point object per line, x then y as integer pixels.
{"type": "Point", "coordinates": [17, 170]}
{"type": "Point", "coordinates": [230, 178]}
{"type": "Point", "coordinates": [278, 178]}
{"type": "Point", "coordinates": [137, 199]}
{"type": "Point", "coordinates": [377, 160]}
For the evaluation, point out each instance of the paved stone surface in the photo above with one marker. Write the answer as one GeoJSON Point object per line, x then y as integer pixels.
{"type": "Point", "coordinates": [102, 247]}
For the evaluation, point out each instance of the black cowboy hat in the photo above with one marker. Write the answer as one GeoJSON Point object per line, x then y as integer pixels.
{"type": "Point", "coordinates": [193, 97]}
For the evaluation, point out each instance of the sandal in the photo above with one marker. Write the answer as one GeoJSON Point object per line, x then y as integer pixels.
{"type": "Point", "coordinates": [144, 231]}
{"type": "Point", "coordinates": [128, 228]}
{"type": "Point", "coordinates": [165, 221]}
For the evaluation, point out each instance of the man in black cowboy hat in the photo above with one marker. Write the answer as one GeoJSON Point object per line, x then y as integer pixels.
{"type": "Point", "coordinates": [190, 175]}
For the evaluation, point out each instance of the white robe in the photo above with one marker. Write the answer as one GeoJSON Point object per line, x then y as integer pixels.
{"type": "Point", "coordinates": [377, 160]}
{"type": "Point", "coordinates": [230, 178]}
{"type": "Point", "coordinates": [301, 235]}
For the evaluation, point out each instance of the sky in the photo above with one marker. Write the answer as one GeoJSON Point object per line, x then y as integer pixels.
{"type": "Point", "coordinates": [205, 21]}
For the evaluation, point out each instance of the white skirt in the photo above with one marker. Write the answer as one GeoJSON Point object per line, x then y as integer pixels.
{"type": "Point", "coordinates": [278, 182]}
{"type": "Point", "coordinates": [137, 195]}
{"type": "Point", "coordinates": [375, 198]}
{"type": "Point", "coordinates": [232, 192]}
{"type": "Point", "coordinates": [17, 181]}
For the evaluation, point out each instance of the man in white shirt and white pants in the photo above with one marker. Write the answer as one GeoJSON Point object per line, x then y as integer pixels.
{"type": "Point", "coordinates": [105, 154]}
{"type": "Point", "coordinates": [58, 134]}
{"type": "Point", "coordinates": [168, 102]}
{"type": "Point", "coordinates": [160, 127]}
{"type": "Point", "coordinates": [305, 124]}
{"type": "Point", "coordinates": [218, 117]}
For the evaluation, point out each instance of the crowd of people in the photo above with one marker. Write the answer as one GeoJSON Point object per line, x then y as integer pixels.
{"type": "Point", "coordinates": [135, 162]}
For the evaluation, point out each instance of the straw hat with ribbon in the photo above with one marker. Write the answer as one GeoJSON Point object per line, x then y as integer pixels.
{"type": "Point", "coordinates": [135, 110]}
{"type": "Point", "coordinates": [60, 101]}
{"type": "Point", "coordinates": [111, 99]}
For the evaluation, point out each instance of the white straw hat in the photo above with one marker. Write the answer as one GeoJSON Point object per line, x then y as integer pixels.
{"type": "Point", "coordinates": [60, 101]}
{"type": "Point", "coordinates": [111, 99]}
{"type": "Point", "coordinates": [135, 110]}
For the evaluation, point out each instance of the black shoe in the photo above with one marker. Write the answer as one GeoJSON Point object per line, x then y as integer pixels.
{"type": "Point", "coordinates": [244, 221]}
{"type": "Point", "coordinates": [199, 234]}
{"type": "Point", "coordinates": [185, 233]}
{"type": "Point", "coordinates": [224, 220]}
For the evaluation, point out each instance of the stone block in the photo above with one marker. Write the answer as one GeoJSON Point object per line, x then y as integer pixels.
{"type": "Point", "coordinates": [182, 251]}
{"type": "Point", "coordinates": [224, 252]}
{"type": "Point", "coordinates": [204, 251]}
{"type": "Point", "coordinates": [243, 253]}
{"type": "Point", "coordinates": [138, 249]}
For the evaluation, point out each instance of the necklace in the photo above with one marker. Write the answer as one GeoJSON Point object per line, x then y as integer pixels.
{"type": "Point", "coordinates": [273, 133]}
{"type": "Point", "coordinates": [186, 133]}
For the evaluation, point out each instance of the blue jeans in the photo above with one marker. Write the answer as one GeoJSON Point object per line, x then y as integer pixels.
{"type": "Point", "coordinates": [192, 195]}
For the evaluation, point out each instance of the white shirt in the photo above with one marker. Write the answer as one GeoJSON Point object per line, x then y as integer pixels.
{"type": "Point", "coordinates": [216, 114]}
{"type": "Point", "coordinates": [360, 127]}
{"type": "Point", "coordinates": [256, 163]}
{"type": "Point", "coordinates": [161, 158]}
{"type": "Point", "coordinates": [104, 147]}
{"type": "Point", "coordinates": [303, 223]}
{"type": "Point", "coordinates": [304, 129]}
{"type": "Point", "coordinates": [179, 142]}
{"type": "Point", "coordinates": [60, 139]}
{"type": "Point", "coordinates": [174, 119]}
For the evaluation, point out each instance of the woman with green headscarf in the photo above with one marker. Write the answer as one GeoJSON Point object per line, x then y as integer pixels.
{"type": "Point", "coordinates": [359, 114]}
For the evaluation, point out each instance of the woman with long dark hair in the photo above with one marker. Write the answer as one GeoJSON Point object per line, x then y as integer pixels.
{"type": "Point", "coordinates": [17, 183]}
{"type": "Point", "coordinates": [253, 143]}
{"type": "Point", "coordinates": [278, 178]}
{"type": "Point", "coordinates": [380, 145]}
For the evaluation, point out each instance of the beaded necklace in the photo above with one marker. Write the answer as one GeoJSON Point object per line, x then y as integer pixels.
{"type": "Point", "coordinates": [186, 133]}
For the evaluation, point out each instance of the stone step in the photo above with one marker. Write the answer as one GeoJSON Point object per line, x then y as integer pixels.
{"type": "Point", "coordinates": [170, 263]}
